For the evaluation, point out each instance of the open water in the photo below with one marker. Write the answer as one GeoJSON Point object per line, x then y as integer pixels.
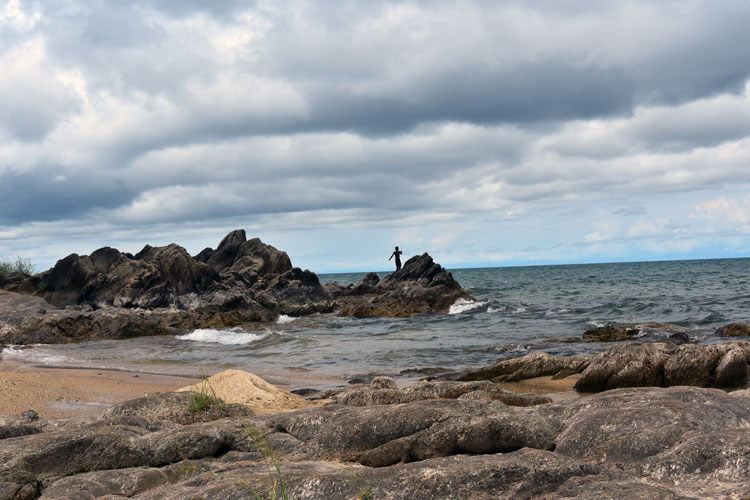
{"type": "Point", "coordinates": [518, 310]}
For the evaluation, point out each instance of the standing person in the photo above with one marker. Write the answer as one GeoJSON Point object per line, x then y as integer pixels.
{"type": "Point", "coordinates": [397, 253]}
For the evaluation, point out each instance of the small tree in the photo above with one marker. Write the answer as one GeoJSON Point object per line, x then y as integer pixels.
{"type": "Point", "coordinates": [19, 266]}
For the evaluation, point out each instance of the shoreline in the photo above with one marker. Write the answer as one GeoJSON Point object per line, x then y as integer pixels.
{"type": "Point", "coordinates": [77, 391]}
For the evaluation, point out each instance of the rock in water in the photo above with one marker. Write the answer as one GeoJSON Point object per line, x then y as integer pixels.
{"type": "Point", "coordinates": [421, 286]}
{"type": "Point", "coordinates": [734, 330]}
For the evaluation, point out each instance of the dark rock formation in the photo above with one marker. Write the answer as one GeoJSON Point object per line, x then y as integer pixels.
{"type": "Point", "coordinates": [421, 286]}
{"type": "Point", "coordinates": [734, 330]}
{"type": "Point", "coordinates": [676, 443]}
{"type": "Point", "coordinates": [639, 364]}
{"type": "Point", "coordinates": [160, 290]}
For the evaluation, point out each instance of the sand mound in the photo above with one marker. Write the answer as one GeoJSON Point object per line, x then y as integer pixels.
{"type": "Point", "coordinates": [236, 386]}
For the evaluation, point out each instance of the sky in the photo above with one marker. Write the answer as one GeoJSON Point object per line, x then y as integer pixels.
{"type": "Point", "coordinates": [485, 133]}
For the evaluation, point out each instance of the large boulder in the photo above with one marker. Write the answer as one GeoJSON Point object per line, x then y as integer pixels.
{"type": "Point", "coordinates": [532, 365]}
{"type": "Point", "coordinates": [659, 364]}
{"type": "Point", "coordinates": [734, 330]}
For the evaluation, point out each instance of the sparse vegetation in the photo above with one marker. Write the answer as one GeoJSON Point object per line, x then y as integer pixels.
{"type": "Point", "coordinates": [19, 266]}
{"type": "Point", "coordinates": [205, 397]}
{"type": "Point", "coordinates": [278, 490]}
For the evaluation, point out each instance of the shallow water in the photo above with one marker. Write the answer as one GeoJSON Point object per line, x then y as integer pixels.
{"type": "Point", "coordinates": [518, 310]}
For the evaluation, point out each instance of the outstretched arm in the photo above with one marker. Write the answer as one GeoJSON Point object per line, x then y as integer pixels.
{"type": "Point", "coordinates": [389, 258]}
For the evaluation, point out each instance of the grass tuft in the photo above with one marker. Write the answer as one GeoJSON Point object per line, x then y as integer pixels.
{"type": "Point", "coordinates": [205, 397]}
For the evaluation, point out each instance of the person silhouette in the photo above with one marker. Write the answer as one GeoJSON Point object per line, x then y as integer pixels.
{"type": "Point", "coordinates": [396, 253]}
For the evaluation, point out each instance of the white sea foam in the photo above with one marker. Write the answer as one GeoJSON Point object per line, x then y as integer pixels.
{"type": "Point", "coordinates": [224, 337]}
{"type": "Point", "coordinates": [463, 305]}
{"type": "Point", "coordinates": [284, 319]}
{"type": "Point", "coordinates": [33, 355]}
{"type": "Point", "coordinates": [520, 310]}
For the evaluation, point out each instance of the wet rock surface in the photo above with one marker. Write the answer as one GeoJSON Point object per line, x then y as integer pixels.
{"type": "Point", "coordinates": [679, 442]}
{"type": "Point", "coordinates": [163, 290]}
{"type": "Point", "coordinates": [734, 330]}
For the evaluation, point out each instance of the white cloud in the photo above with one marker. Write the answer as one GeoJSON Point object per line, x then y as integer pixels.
{"type": "Point", "coordinates": [724, 212]}
{"type": "Point", "coordinates": [648, 228]}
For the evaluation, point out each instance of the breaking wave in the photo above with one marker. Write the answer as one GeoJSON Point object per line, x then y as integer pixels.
{"type": "Point", "coordinates": [463, 305]}
{"type": "Point", "coordinates": [224, 337]}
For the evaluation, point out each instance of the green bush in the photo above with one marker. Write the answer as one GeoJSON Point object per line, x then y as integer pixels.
{"type": "Point", "coordinates": [19, 266]}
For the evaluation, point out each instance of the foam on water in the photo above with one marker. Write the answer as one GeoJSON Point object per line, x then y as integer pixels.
{"type": "Point", "coordinates": [37, 354]}
{"type": "Point", "coordinates": [284, 319]}
{"type": "Point", "coordinates": [463, 305]}
{"type": "Point", "coordinates": [224, 337]}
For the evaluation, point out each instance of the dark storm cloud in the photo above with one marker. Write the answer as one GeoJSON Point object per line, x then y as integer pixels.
{"type": "Point", "coordinates": [43, 195]}
{"type": "Point", "coordinates": [527, 93]}
{"type": "Point", "coordinates": [232, 108]}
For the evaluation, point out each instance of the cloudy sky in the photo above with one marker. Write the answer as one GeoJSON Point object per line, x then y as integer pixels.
{"type": "Point", "coordinates": [483, 132]}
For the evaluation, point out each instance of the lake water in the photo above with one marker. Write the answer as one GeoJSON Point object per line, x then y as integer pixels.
{"type": "Point", "coordinates": [518, 310]}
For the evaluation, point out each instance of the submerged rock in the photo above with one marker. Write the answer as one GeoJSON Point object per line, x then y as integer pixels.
{"type": "Point", "coordinates": [611, 333]}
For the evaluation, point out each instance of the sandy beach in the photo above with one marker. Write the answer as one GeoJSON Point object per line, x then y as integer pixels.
{"type": "Point", "coordinates": [56, 392]}
{"type": "Point", "coordinates": [71, 392]}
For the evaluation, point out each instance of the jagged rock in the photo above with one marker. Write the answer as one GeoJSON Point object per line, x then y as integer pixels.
{"type": "Point", "coordinates": [21, 323]}
{"type": "Point", "coordinates": [110, 294]}
{"type": "Point", "coordinates": [368, 284]}
{"type": "Point", "coordinates": [611, 333]}
{"type": "Point", "coordinates": [538, 364]}
{"type": "Point", "coordinates": [660, 364]}
{"type": "Point", "coordinates": [421, 286]}
{"type": "Point", "coordinates": [734, 330]}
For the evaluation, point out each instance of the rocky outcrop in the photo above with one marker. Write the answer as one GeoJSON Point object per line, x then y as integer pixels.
{"type": "Point", "coordinates": [734, 330]}
{"type": "Point", "coordinates": [659, 364]}
{"type": "Point", "coordinates": [538, 364]}
{"type": "Point", "coordinates": [376, 394]}
{"type": "Point", "coordinates": [421, 286]}
{"type": "Point", "coordinates": [160, 290]}
{"type": "Point", "coordinates": [680, 442]}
